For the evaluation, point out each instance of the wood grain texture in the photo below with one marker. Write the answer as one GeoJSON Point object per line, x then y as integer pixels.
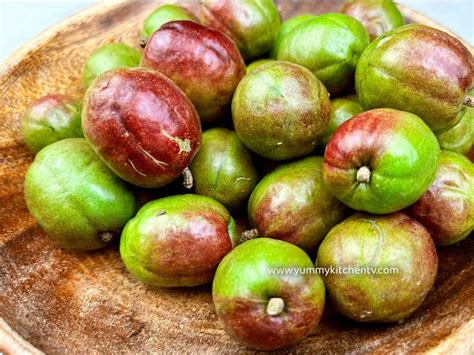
{"type": "Point", "coordinates": [61, 300]}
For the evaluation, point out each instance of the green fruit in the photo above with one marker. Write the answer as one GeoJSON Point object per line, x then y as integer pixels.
{"type": "Point", "coordinates": [280, 110]}
{"type": "Point", "coordinates": [50, 119]}
{"type": "Point", "coordinates": [285, 28]}
{"type": "Point", "coordinates": [384, 266]}
{"type": "Point", "coordinates": [110, 56]}
{"type": "Point", "coordinates": [264, 309]}
{"type": "Point", "coordinates": [378, 16]}
{"type": "Point", "coordinates": [459, 138]}
{"type": "Point", "coordinates": [75, 197]}
{"type": "Point", "coordinates": [177, 241]}
{"type": "Point", "coordinates": [251, 24]}
{"type": "Point", "coordinates": [329, 45]}
{"type": "Point", "coordinates": [418, 69]}
{"type": "Point", "coordinates": [342, 109]}
{"type": "Point", "coordinates": [381, 161]}
{"type": "Point", "coordinates": [257, 63]}
{"type": "Point", "coordinates": [223, 168]}
{"type": "Point", "coordinates": [163, 14]}
{"type": "Point", "coordinates": [447, 208]}
{"type": "Point", "coordinates": [293, 204]}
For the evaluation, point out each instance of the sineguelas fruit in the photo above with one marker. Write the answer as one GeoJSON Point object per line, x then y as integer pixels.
{"type": "Point", "coordinates": [203, 62]}
{"type": "Point", "coordinates": [50, 119]}
{"type": "Point", "coordinates": [161, 15]}
{"type": "Point", "coordinates": [293, 204]}
{"type": "Point", "coordinates": [377, 16]}
{"type": "Point", "coordinates": [396, 261]}
{"type": "Point", "coordinates": [257, 63]}
{"type": "Point", "coordinates": [177, 241]}
{"type": "Point", "coordinates": [285, 28]}
{"type": "Point", "coordinates": [381, 161]}
{"type": "Point", "coordinates": [342, 109]}
{"type": "Point", "coordinates": [141, 125]}
{"type": "Point", "coordinates": [264, 309]}
{"type": "Point", "coordinates": [418, 69]}
{"type": "Point", "coordinates": [447, 208]}
{"type": "Point", "coordinates": [251, 24]}
{"type": "Point", "coordinates": [329, 45]}
{"type": "Point", "coordinates": [223, 168]}
{"type": "Point", "coordinates": [108, 57]}
{"type": "Point", "coordinates": [76, 198]}
{"type": "Point", "coordinates": [280, 110]}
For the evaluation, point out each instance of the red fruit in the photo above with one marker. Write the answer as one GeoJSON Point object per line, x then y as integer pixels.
{"type": "Point", "coordinates": [205, 63]}
{"type": "Point", "coordinates": [141, 125]}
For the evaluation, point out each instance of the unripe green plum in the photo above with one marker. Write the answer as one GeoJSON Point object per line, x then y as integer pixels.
{"type": "Point", "coordinates": [76, 198]}
{"type": "Point", "coordinates": [285, 28]}
{"type": "Point", "coordinates": [258, 63]}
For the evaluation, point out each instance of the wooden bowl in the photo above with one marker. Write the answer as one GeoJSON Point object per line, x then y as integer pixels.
{"type": "Point", "coordinates": [56, 300]}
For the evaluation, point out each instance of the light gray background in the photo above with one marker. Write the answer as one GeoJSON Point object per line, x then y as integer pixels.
{"type": "Point", "coordinates": [20, 21]}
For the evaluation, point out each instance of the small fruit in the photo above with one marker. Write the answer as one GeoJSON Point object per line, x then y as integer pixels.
{"type": "Point", "coordinates": [381, 161]}
{"type": "Point", "coordinates": [258, 63]}
{"type": "Point", "coordinates": [470, 155]}
{"type": "Point", "coordinates": [205, 63]}
{"type": "Point", "coordinates": [418, 69]}
{"type": "Point", "coordinates": [447, 208]}
{"type": "Point", "coordinates": [280, 110]}
{"type": "Point", "coordinates": [384, 266]}
{"type": "Point", "coordinates": [223, 168]}
{"type": "Point", "coordinates": [285, 28]}
{"type": "Point", "coordinates": [76, 198]}
{"type": "Point", "coordinates": [161, 15]}
{"type": "Point", "coordinates": [342, 109]}
{"type": "Point", "coordinates": [50, 119]}
{"type": "Point", "coordinates": [110, 56]}
{"type": "Point", "coordinates": [141, 125]}
{"type": "Point", "coordinates": [251, 24]}
{"type": "Point", "coordinates": [293, 204]}
{"type": "Point", "coordinates": [264, 309]}
{"type": "Point", "coordinates": [177, 241]}
{"type": "Point", "coordinates": [329, 45]}
{"type": "Point", "coordinates": [378, 16]}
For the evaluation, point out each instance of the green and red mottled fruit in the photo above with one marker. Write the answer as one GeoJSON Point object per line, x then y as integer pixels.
{"type": "Point", "coordinates": [251, 24]}
{"type": "Point", "coordinates": [460, 138]}
{"type": "Point", "coordinates": [76, 198]}
{"type": "Point", "coordinates": [342, 109]}
{"type": "Point", "coordinates": [141, 125]}
{"type": "Point", "coordinates": [329, 45]}
{"type": "Point", "coordinates": [50, 119]}
{"type": "Point", "coordinates": [447, 208]}
{"type": "Point", "coordinates": [381, 161]}
{"type": "Point", "coordinates": [258, 63]}
{"type": "Point", "coordinates": [164, 14]}
{"type": "Point", "coordinates": [108, 57]}
{"type": "Point", "coordinates": [280, 110]}
{"type": "Point", "coordinates": [285, 28]}
{"type": "Point", "coordinates": [293, 204]}
{"type": "Point", "coordinates": [223, 168]}
{"type": "Point", "coordinates": [203, 62]}
{"type": "Point", "coordinates": [177, 241]}
{"type": "Point", "coordinates": [264, 309]}
{"type": "Point", "coordinates": [378, 16]}
{"type": "Point", "coordinates": [418, 69]}
{"type": "Point", "coordinates": [393, 261]}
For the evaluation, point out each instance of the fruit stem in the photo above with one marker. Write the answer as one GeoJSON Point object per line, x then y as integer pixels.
{"type": "Point", "coordinates": [106, 236]}
{"type": "Point", "coordinates": [143, 42]}
{"type": "Point", "coordinates": [187, 178]}
{"type": "Point", "coordinates": [247, 235]}
{"type": "Point", "coordinates": [363, 174]}
{"type": "Point", "coordinates": [275, 306]}
{"type": "Point", "coordinates": [469, 101]}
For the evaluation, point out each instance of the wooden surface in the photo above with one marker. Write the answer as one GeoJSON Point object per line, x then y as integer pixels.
{"type": "Point", "coordinates": [56, 300]}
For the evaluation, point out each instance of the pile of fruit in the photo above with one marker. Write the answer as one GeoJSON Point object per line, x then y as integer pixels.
{"type": "Point", "coordinates": [367, 182]}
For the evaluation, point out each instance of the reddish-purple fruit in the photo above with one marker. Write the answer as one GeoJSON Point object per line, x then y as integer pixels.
{"type": "Point", "coordinates": [205, 63]}
{"type": "Point", "coordinates": [141, 125]}
{"type": "Point", "coordinates": [383, 266]}
{"type": "Point", "coordinates": [447, 208]}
